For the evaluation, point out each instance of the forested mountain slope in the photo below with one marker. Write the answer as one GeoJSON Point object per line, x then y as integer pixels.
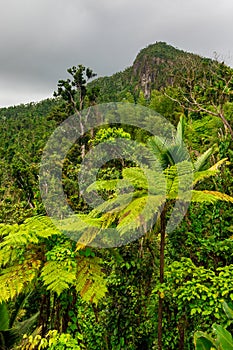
{"type": "Point", "coordinates": [151, 293]}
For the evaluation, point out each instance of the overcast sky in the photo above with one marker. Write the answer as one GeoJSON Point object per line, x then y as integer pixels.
{"type": "Point", "coordinates": [40, 39]}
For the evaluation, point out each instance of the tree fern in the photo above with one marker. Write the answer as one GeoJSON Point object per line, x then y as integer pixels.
{"type": "Point", "coordinates": [136, 210]}
{"type": "Point", "coordinates": [30, 252]}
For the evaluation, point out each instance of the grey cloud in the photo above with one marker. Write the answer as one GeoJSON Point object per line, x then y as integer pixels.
{"type": "Point", "coordinates": [39, 40]}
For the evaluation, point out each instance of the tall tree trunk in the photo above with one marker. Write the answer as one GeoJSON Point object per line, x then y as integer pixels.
{"type": "Point", "coordinates": [161, 276]}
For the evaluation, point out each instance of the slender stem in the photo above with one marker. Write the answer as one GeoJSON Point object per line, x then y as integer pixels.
{"type": "Point", "coordinates": [161, 276]}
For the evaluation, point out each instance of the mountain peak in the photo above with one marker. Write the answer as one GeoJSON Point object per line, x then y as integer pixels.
{"type": "Point", "coordinates": [153, 65]}
{"type": "Point", "coordinates": [161, 50]}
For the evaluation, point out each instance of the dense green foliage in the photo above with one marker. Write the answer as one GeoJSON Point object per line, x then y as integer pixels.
{"type": "Point", "coordinates": [65, 295]}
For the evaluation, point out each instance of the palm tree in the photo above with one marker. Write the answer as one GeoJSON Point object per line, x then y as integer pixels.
{"type": "Point", "coordinates": [170, 156]}
{"type": "Point", "coordinates": [156, 188]}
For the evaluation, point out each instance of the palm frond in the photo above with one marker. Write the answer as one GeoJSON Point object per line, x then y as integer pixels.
{"type": "Point", "coordinates": [180, 131]}
{"type": "Point", "coordinates": [160, 150]}
{"type": "Point", "coordinates": [26, 326]}
{"type": "Point", "coordinates": [177, 153]}
{"type": "Point", "coordinates": [9, 338]}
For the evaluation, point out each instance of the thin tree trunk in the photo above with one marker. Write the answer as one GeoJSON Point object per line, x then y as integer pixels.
{"type": "Point", "coordinates": [181, 328]}
{"type": "Point", "coordinates": [78, 112]}
{"type": "Point", "coordinates": [227, 124]}
{"type": "Point", "coordinates": [161, 276]}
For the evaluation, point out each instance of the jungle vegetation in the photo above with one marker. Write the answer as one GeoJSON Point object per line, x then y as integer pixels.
{"type": "Point", "coordinates": [164, 290]}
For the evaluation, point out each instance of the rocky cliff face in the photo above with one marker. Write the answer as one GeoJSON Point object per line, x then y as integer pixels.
{"type": "Point", "coordinates": [153, 68]}
{"type": "Point", "coordinates": [152, 73]}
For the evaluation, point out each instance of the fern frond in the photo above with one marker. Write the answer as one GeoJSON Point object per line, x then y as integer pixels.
{"type": "Point", "coordinates": [16, 235]}
{"type": "Point", "coordinates": [90, 281]}
{"type": "Point", "coordinates": [75, 225]}
{"type": "Point", "coordinates": [8, 254]}
{"type": "Point", "coordinates": [29, 232]}
{"type": "Point", "coordinates": [108, 185]}
{"type": "Point", "coordinates": [15, 279]}
{"type": "Point", "coordinates": [136, 176]}
{"type": "Point", "coordinates": [151, 180]}
{"type": "Point", "coordinates": [217, 165]}
{"type": "Point", "coordinates": [132, 212]}
{"type": "Point", "coordinates": [16, 238]}
{"type": "Point", "coordinates": [58, 275]}
{"type": "Point", "coordinates": [139, 214]}
{"type": "Point", "coordinates": [202, 175]}
{"type": "Point", "coordinates": [179, 169]}
{"type": "Point", "coordinates": [202, 160]}
{"type": "Point", "coordinates": [114, 205]}
{"type": "Point", "coordinates": [210, 196]}
{"type": "Point", "coordinates": [85, 229]}
{"type": "Point", "coordinates": [87, 237]}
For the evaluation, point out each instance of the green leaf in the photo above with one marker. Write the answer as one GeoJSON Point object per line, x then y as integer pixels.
{"type": "Point", "coordinates": [224, 338]}
{"type": "Point", "coordinates": [203, 341]}
{"type": "Point", "coordinates": [180, 131]}
{"type": "Point", "coordinates": [4, 317]}
{"type": "Point", "coordinates": [228, 311]}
